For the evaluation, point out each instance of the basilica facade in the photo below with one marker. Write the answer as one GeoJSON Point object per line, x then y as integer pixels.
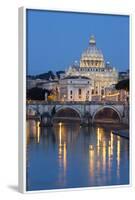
{"type": "Point", "coordinates": [88, 79]}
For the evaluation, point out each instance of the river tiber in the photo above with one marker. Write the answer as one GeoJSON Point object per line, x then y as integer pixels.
{"type": "Point", "coordinates": [78, 124]}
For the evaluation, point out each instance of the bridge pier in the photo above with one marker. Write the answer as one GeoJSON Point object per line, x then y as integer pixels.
{"type": "Point", "coordinates": [125, 117]}
{"type": "Point", "coordinates": [86, 122]}
{"type": "Point", "coordinates": [86, 119]}
{"type": "Point", "coordinates": [46, 120]}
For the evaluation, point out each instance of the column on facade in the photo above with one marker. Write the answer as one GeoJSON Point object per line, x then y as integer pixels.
{"type": "Point", "coordinates": [99, 88]}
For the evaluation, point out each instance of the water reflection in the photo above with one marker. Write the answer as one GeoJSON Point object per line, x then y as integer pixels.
{"type": "Point", "coordinates": [62, 152]}
{"type": "Point", "coordinates": [69, 156]}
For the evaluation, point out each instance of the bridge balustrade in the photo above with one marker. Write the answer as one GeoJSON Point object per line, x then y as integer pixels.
{"type": "Point", "coordinates": [75, 102]}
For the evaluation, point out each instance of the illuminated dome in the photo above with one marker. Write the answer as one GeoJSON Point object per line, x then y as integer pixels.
{"type": "Point", "coordinates": [92, 56]}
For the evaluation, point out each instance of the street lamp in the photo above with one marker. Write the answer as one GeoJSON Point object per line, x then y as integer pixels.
{"type": "Point", "coordinates": [103, 97]}
{"type": "Point", "coordinates": [64, 97]}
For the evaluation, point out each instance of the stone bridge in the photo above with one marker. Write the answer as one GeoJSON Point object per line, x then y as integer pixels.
{"type": "Point", "coordinates": [85, 111]}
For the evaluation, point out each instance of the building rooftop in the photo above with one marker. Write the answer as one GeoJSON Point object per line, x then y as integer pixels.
{"type": "Point", "coordinates": [76, 77]}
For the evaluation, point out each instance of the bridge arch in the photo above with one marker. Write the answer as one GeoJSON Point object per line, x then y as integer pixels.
{"type": "Point", "coordinates": [105, 109]}
{"type": "Point", "coordinates": [67, 112]}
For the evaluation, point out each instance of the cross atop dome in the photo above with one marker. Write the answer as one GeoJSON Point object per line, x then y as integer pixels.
{"type": "Point", "coordinates": [92, 40]}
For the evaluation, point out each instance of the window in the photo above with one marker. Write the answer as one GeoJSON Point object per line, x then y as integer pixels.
{"type": "Point", "coordinates": [71, 92]}
{"type": "Point", "coordinates": [92, 91]}
{"type": "Point", "coordinates": [102, 92]}
{"type": "Point", "coordinates": [79, 91]}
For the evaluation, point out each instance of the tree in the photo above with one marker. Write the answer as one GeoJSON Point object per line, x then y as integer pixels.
{"type": "Point", "coordinates": [123, 85]}
{"type": "Point", "coordinates": [53, 111]}
{"type": "Point", "coordinates": [37, 93]}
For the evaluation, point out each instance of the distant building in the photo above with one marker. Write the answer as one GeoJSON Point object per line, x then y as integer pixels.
{"type": "Point", "coordinates": [49, 85]}
{"type": "Point", "coordinates": [92, 65]}
{"type": "Point", "coordinates": [75, 88]}
{"type": "Point", "coordinates": [124, 75]}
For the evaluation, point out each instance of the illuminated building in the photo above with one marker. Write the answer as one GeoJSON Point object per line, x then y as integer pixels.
{"type": "Point", "coordinates": [92, 65]}
{"type": "Point", "coordinates": [90, 79]}
{"type": "Point", "coordinates": [75, 88]}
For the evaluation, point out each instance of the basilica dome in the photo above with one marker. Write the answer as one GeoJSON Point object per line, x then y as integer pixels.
{"type": "Point", "coordinates": [92, 56]}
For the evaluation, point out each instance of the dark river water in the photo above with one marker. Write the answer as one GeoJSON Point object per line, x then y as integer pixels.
{"type": "Point", "coordinates": [70, 156]}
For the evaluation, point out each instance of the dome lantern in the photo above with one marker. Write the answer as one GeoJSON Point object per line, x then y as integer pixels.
{"type": "Point", "coordinates": [92, 40]}
{"type": "Point", "coordinates": [92, 56]}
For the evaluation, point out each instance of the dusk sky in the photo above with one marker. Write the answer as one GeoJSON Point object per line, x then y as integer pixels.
{"type": "Point", "coordinates": [56, 39]}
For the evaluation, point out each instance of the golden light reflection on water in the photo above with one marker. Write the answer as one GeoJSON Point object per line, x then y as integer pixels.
{"type": "Point", "coordinates": [100, 136]}
{"type": "Point", "coordinates": [110, 153]}
{"type": "Point", "coordinates": [104, 152]}
{"type": "Point", "coordinates": [60, 132]}
{"type": "Point", "coordinates": [62, 153]}
{"type": "Point", "coordinates": [38, 132]}
{"type": "Point", "coordinates": [62, 156]}
{"type": "Point", "coordinates": [102, 149]}
{"type": "Point", "coordinates": [98, 141]}
{"type": "Point", "coordinates": [33, 131]}
{"type": "Point", "coordinates": [65, 157]}
{"type": "Point", "coordinates": [118, 155]}
{"type": "Point", "coordinates": [91, 162]}
{"type": "Point", "coordinates": [112, 139]}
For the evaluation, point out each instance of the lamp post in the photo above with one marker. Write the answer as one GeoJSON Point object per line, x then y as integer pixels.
{"type": "Point", "coordinates": [64, 97]}
{"type": "Point", "coordinates": [103, 98]}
